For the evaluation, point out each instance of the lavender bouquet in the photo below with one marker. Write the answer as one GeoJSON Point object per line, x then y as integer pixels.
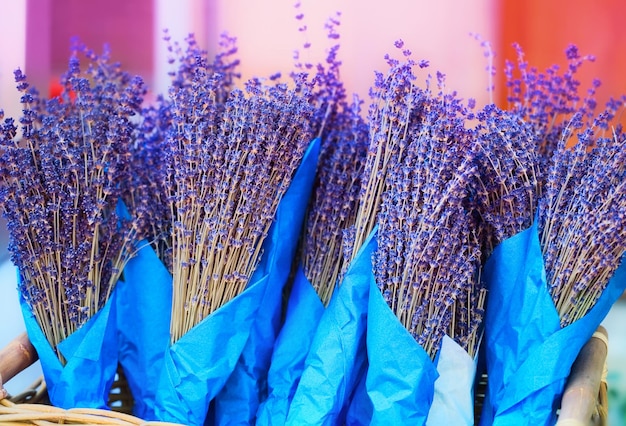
{"type": "Point", "coordinates": [425, 305]}
{"type": "Point", "coordinates": [145, 294]}
{"type": "Point", "coordinates": [332, 209]}
{"type": "Point", "coordinates": [337, 359]}
{"type": "Point", "coordinates": [235, 197]}
{"type": "Point", "coordinates": [59, 194]}
{"type": "Point", "coordinates": [563, 271]}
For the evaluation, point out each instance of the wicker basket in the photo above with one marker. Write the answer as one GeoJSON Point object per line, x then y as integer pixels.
{"type": "Point", "coordinates": [32, 406]}
{"type": "Point", "coordinates": [584, 401]}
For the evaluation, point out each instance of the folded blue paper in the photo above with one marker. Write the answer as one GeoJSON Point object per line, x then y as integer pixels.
{"type": "Point", "coordinates": [360, 410]}
{"type": "Point", "coordinates": [197, 366]}
{"type": "Point", "coordinates": [144, 305]}
{"type": "Point", "coordinates": [91, 359]}
{"type": "Point", "coordinates": [304, 310]}
{"type": "Point", "coordinates": [338, 354]}
{"type": "Point", "coordinates": [529, 355]}
{"type": "Point", "coordinates": [401, 376]}
{"type": "Point", "coordinates": [246, 388]}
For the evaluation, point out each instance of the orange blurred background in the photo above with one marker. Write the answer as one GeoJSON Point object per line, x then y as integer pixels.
{"type": "Point", "coordinates": [545, 28]}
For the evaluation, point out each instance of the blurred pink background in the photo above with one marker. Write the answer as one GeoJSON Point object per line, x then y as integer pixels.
{"type": "Point", "coordinates": [35, 36]}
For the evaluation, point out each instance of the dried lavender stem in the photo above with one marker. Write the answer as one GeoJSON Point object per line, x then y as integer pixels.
{"type": "Point", "coordinates": [370, 204]}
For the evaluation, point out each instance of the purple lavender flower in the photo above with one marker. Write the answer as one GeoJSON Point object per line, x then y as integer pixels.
{"type": "Point", "coordinates": [59, 191]}
{"type": "Point", "coordinates": [396, 106]}
{"type": "Point", "coordinates": [344, 138]}
{"type": "Point", "coordinates": [145, 193]}
{"type": "Point", "coordinates": [334, 201]}
{"type": "Point", "coordinates": [548, 101]}
{"type": "Point", "coordinates": [507, 191]}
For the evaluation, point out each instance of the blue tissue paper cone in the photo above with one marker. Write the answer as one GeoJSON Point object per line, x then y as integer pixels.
{"type": "Point", "coordinates": [360, 411]}
{"type": "Point", "coordinates": [338, 355]}
{"type": "Point", "coordinates": [196, 367]}
{"type": "Point", "coordinates": [246, 388]}
{"type": "Point", "coordinates": [529, 356]}
{"type": "Point", "coordinates": [144, 305]}
{"type": "Point", "coordinates": [304, 310]}
{"type": "Point", "coordinates": [401, 376]}
{"type": "Point", "coordinates": [91, 359]}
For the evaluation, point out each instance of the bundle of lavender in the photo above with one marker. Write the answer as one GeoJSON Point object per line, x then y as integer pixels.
{"type": "Point", "coordinates": [335, 200]}
{"type": "Point", "coordinates": [427, 250]}
{"type": "Point", "coordinates": [59, 194]}
{"type": "Point", "coordinates": [239, 167]}
{"type": "Point", "coordinates": [428, 297]}
{"type": "Point", "coordinates": [332, 210]}
{"type": "Point", "coordinates": [337, 358]}
{"type": "Point", "coordinates": [231, 163]}
{"type": "Point", "coordinates": [559, 256]}
{"type": "Point", "coordinates": [144, 329]}
{"type": "Point", "coordinates": [581, 215]}
{"type": "Point", "coordinates": [401, 118]}
{"type": "Point", "coordinates": [144, 292]}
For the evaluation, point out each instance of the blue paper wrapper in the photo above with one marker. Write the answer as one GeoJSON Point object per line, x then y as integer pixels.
{"type": "Point", "coordinates": [401, 376]}
{"type": "Point", "coordinates": [196, 367]}
{"type": "Point", "coordinates": [338, 354]}
{"type": "Point", "coordinates": [304, 310]}
{"type": "Point", "coordinates": [246, 388]}
{"type": "Point", "coordinates": [529, 356]}
{"type": "Point", "coordinates": [360, 410]}
{"type": "Point", "coordinates": [91, 359]}
{"type": "Point", "coordinates": [144, 306]}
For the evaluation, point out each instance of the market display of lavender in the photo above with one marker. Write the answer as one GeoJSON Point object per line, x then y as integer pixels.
{"type": "Point", "coordinates": [265, 254]}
